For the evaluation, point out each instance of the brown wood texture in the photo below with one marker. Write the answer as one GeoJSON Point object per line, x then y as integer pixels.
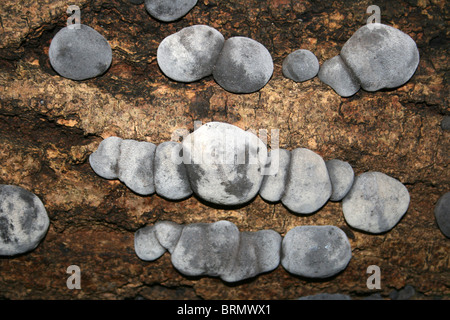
{"type": "Point", "coordinates": [49, 125]}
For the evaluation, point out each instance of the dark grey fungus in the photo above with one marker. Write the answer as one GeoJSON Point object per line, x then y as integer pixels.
{"type": "Point", "coordinates": [326, 296]}
{"type": "Point", "coordinates": [308, 186]}
{"type": "Point", "coordinates": [445, 123]}
{"type": "Point", "coordinates": [442, 214]}
{"type": "Point", "coordinates": [219, 249]}
{"type": "Point", "coordinates": [170, 176]}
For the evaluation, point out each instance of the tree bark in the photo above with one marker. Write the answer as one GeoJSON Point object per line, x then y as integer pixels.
{"type": "Point", "coordinates": [49, 125]}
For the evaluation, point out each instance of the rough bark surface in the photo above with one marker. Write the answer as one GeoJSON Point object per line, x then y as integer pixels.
{"type": "Point", "coordinates": [49, 125]}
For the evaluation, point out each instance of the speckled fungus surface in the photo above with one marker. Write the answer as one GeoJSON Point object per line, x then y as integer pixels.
{"type": "Point", "coordinates": [341, 176]}
{"type": "Point", "coordinates": [300, 65]}
{"type": "Point", "coordinates": [375, 203]}
{"type": "Point", "coordinates": [337, 75]}
{"type": "Point", "coordinates": [211, 249]}
{"type": "Point", "coordinates": [221, 163]}
{"type": "Point", "coordinates": [23, 220]}
{"type": "Point", "coordinates": [129, 161]}
{"type": "Point", "coordinates": [171, 179]}
{"type": "Point", "coordinates": [308, 186]}
{"type": "Point", "coordinates": [238, 64]}
{"type": "Point", "coordinates": [220, 249]}
{"type": "Point", "coordinates": [315, 251]}
{"type": "Point", "coordinates": [225, 165]}
{"type": "Point", "coordinates": [191, 53]}
{"type": "Point", "coordinates": [244, 65]}
{"type": "Point", "coordinates": [272, 187]}
{"type": "Point", "coordinates": [377, 56]}
{"type": "Point", "coordinates": [80, 54]}
{"type": "Point", "coordinates": [169, 10]}
{"type": "Point", "coordinates": [442, 214]}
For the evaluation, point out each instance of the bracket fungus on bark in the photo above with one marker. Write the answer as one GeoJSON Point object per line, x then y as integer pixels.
{"type": "Point", "coordinates": [238, 64]}
{"type": "Point", "coordinates": [308, 186]}
{"type": "Point", "coordinates": [212, 249]}
{"type": "Point", "coordinates": [23, 220]}
{"type": "Point", "coordinates": [300, 65]}
{"type": "Point", "coordinates": [169, 10]}
{"type": "Point", "coordinates": [190, 54]}
{"type": "Point", "coordinates": [442, 214]}
{"type": "Point", "coordinates": [79, 53]}
{"type": "Point", "coordinates": [376, 56]}
{"type": "Point", "coordinates": [225, 165]}
{"type": "Point", "coordinates": [315, 251]}
{"type": "Point", "coordinates": [244, 65]}
{"type": "Point", "coordinates": [376, 202]}
{"type": "Point", "coordinates": [129, 161]}
{"type": "Point", "coordinates": [341, 176]}
{"type": "Point", "coordinates": [337, 75]}
{"type": "Point", "coordinates": [220, 249]}
{"type": "Point", "coordinates": [171, 178]}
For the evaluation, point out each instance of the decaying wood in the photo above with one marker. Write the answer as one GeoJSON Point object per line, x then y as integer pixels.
{"type": "Point", "coordinates": [49, 125]}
